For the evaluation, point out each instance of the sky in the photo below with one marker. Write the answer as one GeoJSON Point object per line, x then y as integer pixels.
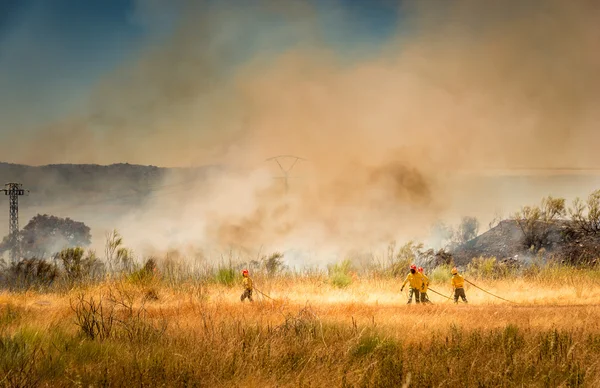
{"type": "Point", "coordinates": [53, 53]}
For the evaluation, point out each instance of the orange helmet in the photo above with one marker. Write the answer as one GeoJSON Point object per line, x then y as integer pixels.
{"type": "Point", "coordinates": [454, 270]}
{"type": "Point", "coordinates": [245, 272]}
{"type": "Point", "coordinates": [420, 269]}
{"type": "Point", "coordinates": [413, 267]}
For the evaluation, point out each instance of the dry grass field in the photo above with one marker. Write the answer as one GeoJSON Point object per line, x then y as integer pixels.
{"type": "Point", "coordinates": [149, 332]}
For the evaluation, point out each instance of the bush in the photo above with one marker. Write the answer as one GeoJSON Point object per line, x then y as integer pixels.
{"type": "Point", "coordinates": [31, 273]}
{"type": "Point", "coordinates": [95, 319]}
{"type": "Point", "coordinates": [489, 268]}
{"type": "Point", "coordinates": [78, 267]}
{"type": "Point", "coordinates": [407, 254]}
{"type": "Point", "coordinates": [340, 274]}
{"type": "Point", "coordinates": [340, 280]}
{"type": "Point", "coordinates": [441, 274]}
{"type": "Point", "coordinates": [144, 275]}
{"type": "Point", "coordinates": [117, 316]}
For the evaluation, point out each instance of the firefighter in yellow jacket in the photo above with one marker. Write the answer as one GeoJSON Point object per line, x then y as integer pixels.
{"type": "Point", "coordinates": [415, 280]}
{"type": "Point", "coordinates": [424, 297]}
{"type": "Point", "coordinates": [458, 283]}
{"type": "Point", "coordinates": [247, 282]}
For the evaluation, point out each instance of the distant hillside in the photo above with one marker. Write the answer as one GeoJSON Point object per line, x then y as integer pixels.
{"type": "Point", "coordinates": [505, 242]}
{"type": "Point", "coordinates": [76, 182]}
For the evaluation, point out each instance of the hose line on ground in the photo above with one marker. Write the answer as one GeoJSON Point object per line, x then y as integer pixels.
{"type": "Point", "coordinates": [263, 294]}
{"type": "Point", "coordinates": [487, 292]}
{"type": "Point", "coordinates": [440, 294]}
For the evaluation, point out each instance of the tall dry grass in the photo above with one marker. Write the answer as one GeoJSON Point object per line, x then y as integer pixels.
{"type": "Point", "coordinates": [311, 333]}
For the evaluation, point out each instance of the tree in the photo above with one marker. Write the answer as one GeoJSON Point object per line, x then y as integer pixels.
{"type": "Point", "coordinates": [467, 230]}
{"type": "Point", "coordinates": [274, 263]}
{"type": "Point", "coordinates": [586, 216]}
{"type": "Point", "coordinates": [46, 235]}
{"type": "Point", "coordinates": [535, 221]}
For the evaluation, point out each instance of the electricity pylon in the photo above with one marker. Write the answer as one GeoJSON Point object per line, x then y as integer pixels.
{"type": "Point", "coordinates": [284, 170]}
{"type": "Point", "coordinates": [14, 190]}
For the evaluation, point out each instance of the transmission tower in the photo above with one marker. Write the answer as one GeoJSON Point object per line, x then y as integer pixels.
{"type": "Point", "coordinates": [14, 190]}
{"type": "Point", "coordinates": [284, 170]}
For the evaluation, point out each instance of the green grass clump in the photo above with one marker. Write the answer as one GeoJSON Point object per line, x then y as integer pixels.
{"type": "Point", "coordinates": [441, 274]}
{"type": "Point", "coordinates": [141, 277]}
{"type": "Point", "coordinates": [225, 276]}
{"type": "Point", "coordinates": [340, 274]}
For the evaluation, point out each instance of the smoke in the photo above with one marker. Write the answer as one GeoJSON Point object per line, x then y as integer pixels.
{"type": "Point", "coordinates": [462, 86]}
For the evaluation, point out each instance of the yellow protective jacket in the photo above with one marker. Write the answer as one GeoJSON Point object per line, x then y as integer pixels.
{"type": "Point", "coordinates": [425, 283]}
{"type": "Point", "coordinates": [414, 279]}
{"type": "Point", "coordinates": [458, 281]}
{"type": "Point", "coordinates": [247, 282]}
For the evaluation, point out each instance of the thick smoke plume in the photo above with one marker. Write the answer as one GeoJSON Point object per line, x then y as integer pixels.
{"type": "Point", "coordinates": [463, 86]}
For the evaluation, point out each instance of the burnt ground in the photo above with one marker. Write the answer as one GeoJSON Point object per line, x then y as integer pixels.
{"type": "Point", "coordinates": [505, 242]}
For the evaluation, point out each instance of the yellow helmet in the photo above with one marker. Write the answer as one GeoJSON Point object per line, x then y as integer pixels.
{"type": "Point", "coordinates": [454, 271]}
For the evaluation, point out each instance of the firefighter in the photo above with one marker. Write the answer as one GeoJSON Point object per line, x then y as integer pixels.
{"type": "Point", "coordinates": [424, 297]}
{"type": "Point", "coordinates": [247, 282]}
{"type": "Point", "coordinates": [458, 283]}
{"type": "Point", "coordinates": [415, 281]}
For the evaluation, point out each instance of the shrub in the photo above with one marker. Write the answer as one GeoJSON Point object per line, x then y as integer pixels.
{"type": "Point", "coordinates": [407, 254]}
{"type": "Point", "coordinates": [488, 268]}
{"type": "Point", "coordinates": [31, 273]}
{"type": "Point", "coordinates": [340, 280]}
{"type": "Point", "coordinates": [117, 316]}
{"type": "Point", "coordinates": [79, 267]}
{"type": "Point", "coordinates": [441, 274]}
{"type": "Point", "coordinates": [94, 318]}
{"type": "Point", "coordinates": [340, 274]}
{"type": "Point", "coordinates": [144, 275]}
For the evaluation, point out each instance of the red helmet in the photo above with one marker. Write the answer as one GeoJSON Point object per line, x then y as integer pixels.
{"type": "Point", "coordinates": [245, 272]}
{"type": "Point", "coordinates": [413, 267]}
{"type": "Point", "coordinates": [420, 269]}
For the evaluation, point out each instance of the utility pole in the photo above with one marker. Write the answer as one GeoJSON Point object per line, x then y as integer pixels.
{"type": "Point", "coordinates": [284, 170]}
{"type": "Point", "coordinates": [14, 190]}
